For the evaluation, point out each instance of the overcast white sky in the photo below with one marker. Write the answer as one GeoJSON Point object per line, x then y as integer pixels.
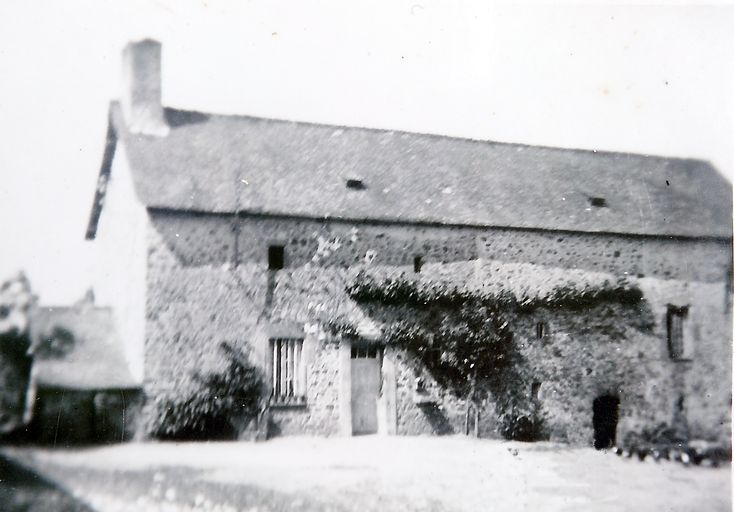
{"type": "Point", "coordinates": [656, 79]}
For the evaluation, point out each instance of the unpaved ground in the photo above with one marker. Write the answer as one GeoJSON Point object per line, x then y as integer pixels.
{"type": "Point", "coordinates": [24, 491]}
{"type": "Point", "coordinates": [373, 473]}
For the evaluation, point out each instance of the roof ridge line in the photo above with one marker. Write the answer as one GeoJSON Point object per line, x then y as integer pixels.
{"type": "Point", "coordinates": [607, 152]}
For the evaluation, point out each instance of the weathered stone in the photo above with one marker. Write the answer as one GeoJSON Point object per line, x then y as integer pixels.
{"type": "Point", "coordinates": [208, 282]}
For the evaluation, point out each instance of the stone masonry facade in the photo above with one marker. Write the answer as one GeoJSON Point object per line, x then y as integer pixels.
{"type": "Point", "coordinates": [207, 283]}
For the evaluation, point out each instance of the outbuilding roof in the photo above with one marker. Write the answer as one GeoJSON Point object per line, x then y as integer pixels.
{"type": "Point", "coordinates": [227, 164]}
{"type": "Point", "coordinates": [77, 347]}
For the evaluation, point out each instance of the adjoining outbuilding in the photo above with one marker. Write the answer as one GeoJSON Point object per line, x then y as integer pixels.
{"type": "Point", "coordinates": [81, 388]}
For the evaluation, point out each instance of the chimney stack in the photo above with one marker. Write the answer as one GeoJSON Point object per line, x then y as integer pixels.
{"type": "Point", "coordinates": [141, 94]}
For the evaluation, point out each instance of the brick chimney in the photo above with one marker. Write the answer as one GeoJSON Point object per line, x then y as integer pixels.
{"type": "Point", "coordinates": [141, 93]}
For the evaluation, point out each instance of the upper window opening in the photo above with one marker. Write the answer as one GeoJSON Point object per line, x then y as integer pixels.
{"type": "Point", "coordinates": [355, 184]}
{"type": "Point", "coordinates": [417, 264]}
{"type": "Point", "coordinates": [598, 202]}
{"type": "Point", "coordinates": [676, 333]}
{"type": "Point", "coordinates": [535, 390]}
{"type": "Point", "coordinates": [276, 257]}
{"type": "Point", "coordinates": [540, 329]}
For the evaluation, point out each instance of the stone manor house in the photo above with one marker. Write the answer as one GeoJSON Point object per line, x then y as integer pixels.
{"type": "Point", "coordinates": [221, 228]}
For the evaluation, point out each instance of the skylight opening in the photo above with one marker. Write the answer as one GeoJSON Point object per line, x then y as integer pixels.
{"type": "Point", "coordinates": [355, 184]}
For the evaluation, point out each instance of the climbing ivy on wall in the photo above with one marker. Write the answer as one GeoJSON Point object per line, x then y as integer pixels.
{"type": "Point", "coordinates": [468, 349]}
{"type": "Point", "coordinates": [457, 321]}
{"type": "Point", "coordinates": [507, 286]}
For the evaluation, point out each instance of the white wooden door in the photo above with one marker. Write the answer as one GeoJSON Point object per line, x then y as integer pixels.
{"type": "Point", "coordinates": [366, 380]}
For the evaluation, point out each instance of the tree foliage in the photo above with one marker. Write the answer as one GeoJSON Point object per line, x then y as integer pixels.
{"type": "Point", "coordinates": [463, 347]}
{"type": "Point", "coordinates": [469, 350]}
{"type": "Point", "coordinates": [16, 300]}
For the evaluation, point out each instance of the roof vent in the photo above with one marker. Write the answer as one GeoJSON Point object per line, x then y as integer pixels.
{"type": "Point", "coordinates": [598, 202]}
{"type": "Point", "coordinates": [355, 184]}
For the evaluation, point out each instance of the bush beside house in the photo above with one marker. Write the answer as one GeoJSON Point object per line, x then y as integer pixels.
{"type": "Point", "coordinates": [217, 405]}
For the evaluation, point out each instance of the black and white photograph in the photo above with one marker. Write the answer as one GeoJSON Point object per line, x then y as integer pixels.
{"type": "Point", "coordinates": [341, 256]}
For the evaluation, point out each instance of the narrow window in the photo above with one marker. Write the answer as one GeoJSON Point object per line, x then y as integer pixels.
{"type": "Point", "coordinates": [417, 264]}
{"type": "Point", "coordinates": [540, 330]}
{"type": "Point", "coordinates": [535, 390]}
{"type": "Point", "coordinates": [276, 257]}
{"type": "Point", "coordinates": [676, 342]}
{"type": "Point", "coordinates": [288, 375]}
{"type": "Point", "coordinates": [598, 202]}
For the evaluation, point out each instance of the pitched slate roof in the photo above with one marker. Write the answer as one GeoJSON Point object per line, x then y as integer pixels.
{"type": "Point", "coordinates": [218, 163]}
{"type": "Point", "coordinates": [77, 348]}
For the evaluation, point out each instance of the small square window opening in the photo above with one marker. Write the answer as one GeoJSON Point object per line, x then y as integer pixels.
{"type": "Point", "coordinates": [276, 257]}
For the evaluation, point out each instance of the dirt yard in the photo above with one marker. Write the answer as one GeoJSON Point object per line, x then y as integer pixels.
{"type": "Point", "coordinates": [375, 474]}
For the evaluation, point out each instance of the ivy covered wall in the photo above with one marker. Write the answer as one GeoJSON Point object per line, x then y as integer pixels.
{"type": "Point", "coordinates": [607, 349]}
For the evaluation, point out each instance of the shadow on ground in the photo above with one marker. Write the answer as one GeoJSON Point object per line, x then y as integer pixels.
{"type": "Point", "coordinates": [22, 490]}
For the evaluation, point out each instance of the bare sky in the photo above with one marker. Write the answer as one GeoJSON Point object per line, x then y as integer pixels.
{"type": "Point", "coordinates": [656, 79]}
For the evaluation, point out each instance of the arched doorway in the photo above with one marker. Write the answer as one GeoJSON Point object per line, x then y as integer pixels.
{"type": "Point", "coordinates": [606, 414]}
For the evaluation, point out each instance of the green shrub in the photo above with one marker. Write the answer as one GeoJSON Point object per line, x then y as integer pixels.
{"type": "Point", "coordinates": [213, 405]}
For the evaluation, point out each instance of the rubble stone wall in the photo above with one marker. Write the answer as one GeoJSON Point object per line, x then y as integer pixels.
{"type": "Point", "coordinates": [207, 283]}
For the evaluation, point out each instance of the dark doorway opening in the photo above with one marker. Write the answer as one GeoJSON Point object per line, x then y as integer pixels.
{"type": "Point", "coordinates": [606, 414]}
